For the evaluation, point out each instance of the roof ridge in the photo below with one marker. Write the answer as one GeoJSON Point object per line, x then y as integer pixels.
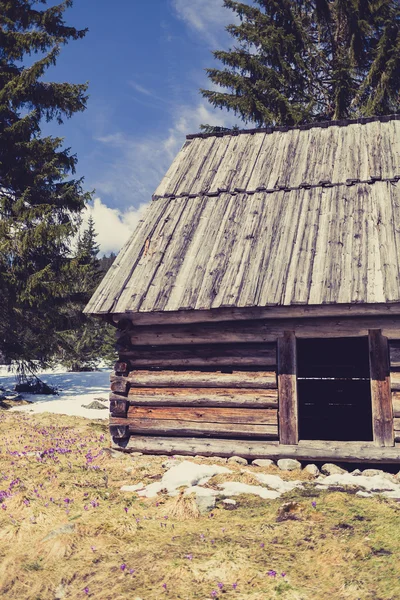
{"type": "Point", "coordinates": [284, 128]}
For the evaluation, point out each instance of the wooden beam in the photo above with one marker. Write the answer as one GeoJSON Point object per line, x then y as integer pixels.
{"type": "Point", "coordinates": [230, 355]}
{"type": "Point", "coordinates": [287, 389]}
{"type": "Point", "coordinates": [201, 379]}
{"type": "Point", "coordinates": [394, 353]}
{"type": "Point", "coordinates": [395, 380]}
{"type": "Point", "coordinates": [382, 409]}
{"type": "Point", "coordinates": [354, 452]}
{"type": "Point", "coordinates": [217, 397]}
{"type": "Point", "coordinates": [396, 403]}
{"type": "Point", "coordinates": [269, 312]}
{"type": "Point", "coordinates": [177, 427]}
{"type": "Point", "coordinates": [261, 330]}
{"type": "Point", "coordinates": [258, 416]}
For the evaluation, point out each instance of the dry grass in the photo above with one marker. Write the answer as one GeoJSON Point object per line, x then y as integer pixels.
{"type": "Point", "coordinates": [65, 528]}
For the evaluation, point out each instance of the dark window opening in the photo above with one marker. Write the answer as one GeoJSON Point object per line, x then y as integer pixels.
{"type": "Point", "coordinates": [334, 394]}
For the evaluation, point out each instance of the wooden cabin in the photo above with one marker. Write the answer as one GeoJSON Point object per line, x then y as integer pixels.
{"type": "Point", "coordinates": [258, 302]}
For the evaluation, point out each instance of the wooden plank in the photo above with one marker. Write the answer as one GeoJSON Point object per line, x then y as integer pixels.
{"type": "Point", "coordinates": [245, 313]}
{"type": "Point", "coordinates": [395, 380]}
{"type": "Point", "coordinates": [382, 409]}
{"type": "Point", "coordinates": [394, 348]}
{"type": "Point", "coordinates": [396, 403]}
{"type": "Point", "coordinates": [287, 389]}
{"type": "Point", "coordinates": [173, 427]}
{"type": "Point", "coordinates": [204, 397]}
{"type": "Point", "coordinates": [203, 355]}
{"type": "Point", "coordinates": [331, 451]}
{"type": "Point", "coordinates": [202, 379]}
{"type": "Point", "coordinates": [260, 330]}
{"type": "Point", "coordinates": [246, 416]}
{"type": "Point", "coordinates": [201, 397]}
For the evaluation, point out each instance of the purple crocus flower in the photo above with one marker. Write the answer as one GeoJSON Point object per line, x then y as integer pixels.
{"type": "Point", "coordinates": [220, 585]}
{"type": "Point", "coordinates": [86, 590]}
{"type": "Point", "coordinates": [123, 567]}
{"type": "Point", "coordinates": [214, 594]}
{"type": "Point", "coordinates": [271, 573]}
{"type": "Point", "coordinates": [164, 586]}
{"type": "Point", "coordinates": [314, 504]}
{"type": "Point", "coordinates": [283, 574]}
{"type": "Point", "coordinates": [234, 585]}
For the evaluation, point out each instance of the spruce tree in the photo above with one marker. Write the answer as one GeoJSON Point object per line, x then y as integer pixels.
{"type": "Point", "coordinates": [40, 200]}
{"type": "Point", "coordinates": [85, 341]}
{"type": "Point", "coordinates": [301, 61]}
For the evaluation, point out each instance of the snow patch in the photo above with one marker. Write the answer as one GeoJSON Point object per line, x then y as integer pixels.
{"type": "Point", "coordinates": [75, 389]}
{"type": "Point", "coordinates": [234, 488]}
{"type": "Point", "coordinates": [186, 474]}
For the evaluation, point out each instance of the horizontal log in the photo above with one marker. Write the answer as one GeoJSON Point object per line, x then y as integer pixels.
{"type": "Point", "coordinates": [118, 406]}
{"type": "Point", "coordinates": [395, 380]}
{"type": "Point", "coordinates": [201, 356]}
{"type": "Point", "coordinates": [394, 349]}
{"type": "Point", "coordinates": [259, 331]}
{"type": "Point", "coordinates": [268, 312]}
{"type": "Point", "coordinates": [396, 403]}
{"type": "Point", "coordinates": [192, 428]}
{"type": "Point", "coordinates": [199, 397]}
{"type": "Point", "coordinates": [204, 397]}
{"type": "Point", "coordinates": [355, 452]}
{"type": "Point", "coordinates": [194, 379]}
{"type": "Point", "coordinates": [206, 415]}
{"type": "Point", "coordinates": [396, 426]}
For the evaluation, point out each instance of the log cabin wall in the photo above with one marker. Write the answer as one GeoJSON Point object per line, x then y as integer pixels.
{"type": "Point", "coordinates": [395, 386]}
{"type": "Point", "coordinates": [197, 382]}
{"type": "Point", "coordinates": [213, 387]}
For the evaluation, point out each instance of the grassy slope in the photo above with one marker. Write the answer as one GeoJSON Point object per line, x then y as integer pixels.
{"type": "Point", "coordinates": [347, 547]}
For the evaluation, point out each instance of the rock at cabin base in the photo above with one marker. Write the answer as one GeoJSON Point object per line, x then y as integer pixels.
{"type": "Point", "coordinates": [311, 470]}
{"type": "Point", "coordinates": [238, 460]}
{"type": "Point", "coordinates": [356, 472]}
{"type": "Point", "coordinates": [288, 464]}
{"type": "Point", "coordinates": [263, 462]}
{"type": "Point", "coordinates": [372, 472]}
{"type": "Point", "coordinates": [331, 469]}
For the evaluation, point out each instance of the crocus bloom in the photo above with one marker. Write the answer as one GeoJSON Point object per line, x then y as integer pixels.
{"type": "Point", "coordinates": [220, 585]}
{"type": "Point", "coordinates": [123, 567]}
{"type": "Point", "coordinates": [314, 504]}
{"type": "Point", "coordinates": [234, 585]}
{"type": "Point", "coordinates": [164, 586]}
{"type": "Point", "coordinates": [271, 573]}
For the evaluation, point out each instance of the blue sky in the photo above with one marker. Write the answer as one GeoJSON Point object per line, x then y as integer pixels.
{"type": "Point", "coordinates": [144, 61]}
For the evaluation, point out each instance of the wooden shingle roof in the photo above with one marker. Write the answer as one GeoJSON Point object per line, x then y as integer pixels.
{"type": "Point", "coordinates": [268, 217]}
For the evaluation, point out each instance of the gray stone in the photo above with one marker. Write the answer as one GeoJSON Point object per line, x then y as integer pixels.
{"type": "Point", "coordinates": [238, 460]}
{"type": "Point", "coordinates": [95, 405]}
{"type": "Point", "coordinates": [331, 469]}
{"type": "Point", "coordinates": [372, 472]}
{"type": "Point", "coordinates": [67, 528]}
{"type": "Point", "coordinates": [263, 462]}
{"type": "Point", "coordinates": [288, 464]}
{"type": "Point", "coordinates": [356, 472]}
{"type": "Point", "coordinates": [311, 470]}
{"type": "Point", "coordinates": [229, 504]}
{"type": "Point", "coordinates": [205, 502]}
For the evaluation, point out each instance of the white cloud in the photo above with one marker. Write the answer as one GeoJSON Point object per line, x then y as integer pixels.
{"type": "Point", "coordinates": [113, 226]}
{"type": "Point", "coordinates": [138, 164]}
{"type": "Point", "coordinates": [208, 17]}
